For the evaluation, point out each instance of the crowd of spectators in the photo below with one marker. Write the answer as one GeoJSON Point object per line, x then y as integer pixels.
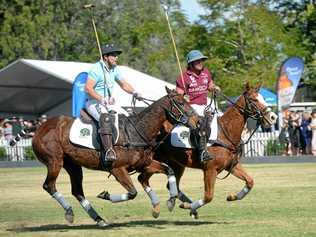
{"type": "Point", "coordinates": [298, 133]}
{"type": "Point", "coordinates": [10, 127]}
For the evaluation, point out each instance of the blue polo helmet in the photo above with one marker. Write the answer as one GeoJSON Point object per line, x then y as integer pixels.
{"type": "Point", "coordinates": [194, 55]}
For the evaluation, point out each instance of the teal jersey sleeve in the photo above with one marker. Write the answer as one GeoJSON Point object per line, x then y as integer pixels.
{"type": "Point", "coordinates": [94, 72]}
{"type": "Point", "coordinates": [117, 74]}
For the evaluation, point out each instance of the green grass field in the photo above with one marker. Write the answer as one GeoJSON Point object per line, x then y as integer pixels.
{"type": "Point", "coordinates": [282, 203]}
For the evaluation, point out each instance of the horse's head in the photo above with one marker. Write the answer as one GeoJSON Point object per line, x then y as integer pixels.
{"type": "Point", "coordinates": [256, 107]}
{"type": "Point", "coordinates": [179, 111]}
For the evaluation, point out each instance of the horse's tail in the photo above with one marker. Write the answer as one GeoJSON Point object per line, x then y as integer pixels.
{"type": "Point", "coordinates": [23, 133]}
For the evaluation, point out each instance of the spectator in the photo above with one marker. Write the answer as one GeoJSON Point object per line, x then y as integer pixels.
{"type": "Point", "coordinates": [306, 133]}
{"type": "Point", "coordinates": [294, 132]}
{"type": "Point", "coordinates": [7, 130]}
{"type": "Point", "coordinates": [1, 127]}
{"type": "Point", "coordinates": [16, 126]}
{"type": "Point", "coordinates": [284, 135]}
{"type": "Point", "coordinates": [313, 127]}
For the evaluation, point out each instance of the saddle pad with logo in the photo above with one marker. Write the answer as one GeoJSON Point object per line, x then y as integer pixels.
{"type": "Point", "coordinates": [84, 134]}
{"type": "Point", "coordinates": [180, 135]}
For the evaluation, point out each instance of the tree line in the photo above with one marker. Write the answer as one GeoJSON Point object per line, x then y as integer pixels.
{"type": "Point", "coordinates": [244, 39]}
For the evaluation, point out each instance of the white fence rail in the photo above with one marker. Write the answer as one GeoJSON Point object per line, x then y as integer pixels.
{"type": "Point", "coordinates": [258, 143]}
{"type": "Point", "coordinates": [16, 153]}
{"type": "Point", "coordinates": [255, 147]}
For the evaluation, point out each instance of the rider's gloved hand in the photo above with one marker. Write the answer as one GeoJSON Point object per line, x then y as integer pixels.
{"type": "Point", "coordinates": [104, 101]}
{"type": "Point", "coordinates": [216, 89]}
{"type": "Point", "coordinates": [137, 95]}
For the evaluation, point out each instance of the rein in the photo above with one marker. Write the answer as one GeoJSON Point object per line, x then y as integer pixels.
{"type": "Point", "coordinates": [183, 117]}
{"type": "Point", "coordinates": [145, 100]}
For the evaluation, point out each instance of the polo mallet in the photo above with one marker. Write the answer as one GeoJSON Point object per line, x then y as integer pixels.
{"type": "Point", "coordinates": [165, 7]}
{"type": "Point", "coordinates": [89, 7]}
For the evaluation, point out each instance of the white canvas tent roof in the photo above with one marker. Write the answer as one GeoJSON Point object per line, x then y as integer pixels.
{"type": "Point", "coordinates": [35, 87]}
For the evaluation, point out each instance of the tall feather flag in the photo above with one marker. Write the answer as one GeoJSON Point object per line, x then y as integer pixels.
{"type": "Point", "coordinates": [289, 78]}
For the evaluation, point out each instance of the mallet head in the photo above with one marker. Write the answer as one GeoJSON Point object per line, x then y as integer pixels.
{"type": "Point", "coordinates": [87, 6]}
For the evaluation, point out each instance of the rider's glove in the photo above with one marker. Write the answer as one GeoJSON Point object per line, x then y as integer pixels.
{"type": "Point", "coordinates": [104, 101]}
{"type": "Point", "coordinates": [137, 95]}
{"type": "Point", "coordinates": [216, 89]}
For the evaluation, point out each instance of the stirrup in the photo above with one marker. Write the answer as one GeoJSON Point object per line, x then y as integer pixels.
{"type": "Point", "coordinates": [205, 156]}
{"type": "Point", "coordinates": [110, 155]}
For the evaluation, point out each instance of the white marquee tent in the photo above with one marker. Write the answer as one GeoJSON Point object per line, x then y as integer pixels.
{"type": "Point", "coordinates": [33, 87]}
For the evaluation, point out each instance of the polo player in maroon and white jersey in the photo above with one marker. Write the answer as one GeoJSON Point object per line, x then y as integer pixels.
{"type": "Point", "coordinates": [196, 81]}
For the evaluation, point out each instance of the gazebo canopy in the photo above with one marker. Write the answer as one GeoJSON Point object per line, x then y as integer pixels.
{"type": "Point", "coordinates": [33, 87]}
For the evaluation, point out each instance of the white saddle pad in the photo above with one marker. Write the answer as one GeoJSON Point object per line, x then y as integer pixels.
{"type": "Point", "coordinates": [84, 134]}
{"type": "Point", "coordinates": [180, 135]}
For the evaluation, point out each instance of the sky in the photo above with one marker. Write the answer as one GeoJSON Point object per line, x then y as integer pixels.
{"type": "Point", "coordinates": [192, 9]}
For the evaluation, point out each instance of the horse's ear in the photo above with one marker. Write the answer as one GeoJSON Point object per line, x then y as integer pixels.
{"type": "Point", "coordinates": [168, 90]}
{"type": "Point", "coordinates": [247, 86]}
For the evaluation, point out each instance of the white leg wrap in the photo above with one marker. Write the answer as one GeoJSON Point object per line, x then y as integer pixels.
{"type": "Point", "coordinates": [172, 186]}
{"type": "Point", "coordinates": [89, 209]}
{"type": "Point", "coordinates": [61, 200]}
{"type": "Point", "coordinates": [197, 204]}
{"type": "Point", "coordinates": [243, 193]}
{"type": "Point", "coordinates": [152, 195]}
{"type": "Point", "coordinates": [118, 197]}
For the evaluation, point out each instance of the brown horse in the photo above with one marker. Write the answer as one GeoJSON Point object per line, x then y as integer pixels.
{"type": "Point", "coordinates": [53, 148]}
{"type": "Point", "coordinates": [226, 150]}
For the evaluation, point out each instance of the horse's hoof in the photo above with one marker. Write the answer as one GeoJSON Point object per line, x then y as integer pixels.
{"type": "Point", "coordinates": [194, 214]}
{"type": "Point", "coordinates": [232, 197]}
{"type": "Point", "coordinates": [171, 202]}
{"type": "Point", "coordinates": [156, 211]}
{"type": "Point", "coordinates": [104, 195]}
{"type": "Point", "coordinates": [185, 205]}
{"type": "Point", "coordinates": [102, 223]}
{"type": "Point", "coordinates": [69, 216]}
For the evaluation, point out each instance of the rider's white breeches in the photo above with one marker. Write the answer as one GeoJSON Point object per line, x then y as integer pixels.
{"type": "Point", "coordinates": [96, 109]}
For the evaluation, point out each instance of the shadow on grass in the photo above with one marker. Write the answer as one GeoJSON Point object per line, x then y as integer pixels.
{"type": "Point", "coordinates": [159, 224]}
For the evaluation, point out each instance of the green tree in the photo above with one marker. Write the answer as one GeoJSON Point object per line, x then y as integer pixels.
{"type": "Point", "coordinates": [40, 30]}
{"type": "Point", "coordinates": [62, 30]}
{"type": "Point", "coordinates": [245, 41]}
{"type": "Point", "coordinates": [301, 15]}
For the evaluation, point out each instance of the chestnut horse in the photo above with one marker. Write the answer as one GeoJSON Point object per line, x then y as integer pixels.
{"type": "Point", "coordinates": [226, 150]}
{"type": "Point", "coordinates": [53, 148]}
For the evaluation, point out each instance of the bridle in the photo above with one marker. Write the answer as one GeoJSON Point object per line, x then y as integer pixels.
{"type": "Point", "coordinates": [251, 110]}
{"type": "Point", "coordinates": [180, 116]}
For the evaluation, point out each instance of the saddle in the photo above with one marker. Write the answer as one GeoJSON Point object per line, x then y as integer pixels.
{"type": "Point", "coordinates": [182, 137]}
{"type": "Point", "coordinates": [84, 131]}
